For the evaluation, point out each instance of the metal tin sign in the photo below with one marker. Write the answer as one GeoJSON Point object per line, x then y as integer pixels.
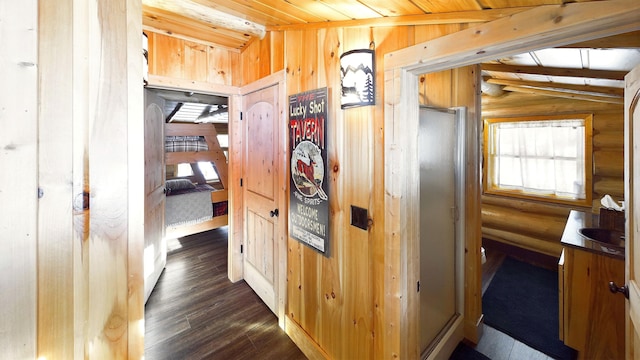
{"type": "Point", "coordinates": [309, 202]}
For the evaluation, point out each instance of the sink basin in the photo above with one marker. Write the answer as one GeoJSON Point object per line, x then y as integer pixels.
{"type": "Point", "coordinates": [606, 236]}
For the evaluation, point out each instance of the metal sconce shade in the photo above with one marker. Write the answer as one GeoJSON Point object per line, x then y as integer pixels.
{"type": "Point", "coordinates": [358, 81]}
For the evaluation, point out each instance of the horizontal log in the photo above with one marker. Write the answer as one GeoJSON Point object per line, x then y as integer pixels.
{"type": "Point", "coordinates": [552, 71]}
{"type": "Point", "coordinates": [520, 104]}
{"type": "Point", "coordinates": [531, 224]}
{"type": "Point", "coordinates": [608, 163]}
{"type": "Point", "coordinates": [544, 246]}
{"type": "Point", "coordinates": [605, 122]}
{"type": "Point", "coordinates": [607, 185]}
{"type": "Point", "coordinates": [570, 88]}
{"type": "Point", "coordinates": [565, 94]}
{"type": "Point", "coordinates": [209, 15]}
{"type": "Point", "coordinates": [528, 206]}
{"type": "Point", "coordinates": [611, 140]}
{"type": "Point", "coordinates": [597, 204]}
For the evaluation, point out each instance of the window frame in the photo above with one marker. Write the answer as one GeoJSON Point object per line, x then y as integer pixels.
{"type": "Point", "coordinates": [488, 171]}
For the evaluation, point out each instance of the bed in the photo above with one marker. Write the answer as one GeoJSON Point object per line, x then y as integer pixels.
{"type": "Point", "coordinates": [194, 206]}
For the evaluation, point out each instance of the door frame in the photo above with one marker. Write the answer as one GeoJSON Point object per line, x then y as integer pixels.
{"type": "Point", "coordinates": [235, 148]}
{"type": "Point", "coordinates": [548, 26]}
{"type": "Point", "coordinates": [632, 319]}
{"type": "Point", "coordinates": [235, 259]}
{"type": "Point", "coordinates": [235, 170]}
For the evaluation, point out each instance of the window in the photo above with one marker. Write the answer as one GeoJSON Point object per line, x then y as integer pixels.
{"type": "Point", "coordinates": [205, 167]}
{"type": "Point", "coordinates": [542, 157]}
{"type": "Point", "coordinates": [184, 170]}
{"type": "Point", "coordinates": [207, 170]}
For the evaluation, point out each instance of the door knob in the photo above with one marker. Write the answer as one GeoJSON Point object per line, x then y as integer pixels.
{"type": "Point", "coordinates": [622, 289]}
{"type": "Point", "coordinates": [274, 212]}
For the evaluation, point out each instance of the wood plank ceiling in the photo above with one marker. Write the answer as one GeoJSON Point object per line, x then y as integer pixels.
{"type": "Point", "coordinates": [590, 71]}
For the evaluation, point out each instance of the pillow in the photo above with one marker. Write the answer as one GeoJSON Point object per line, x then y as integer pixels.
{"type": "Point", "coordinates": [179, 184]}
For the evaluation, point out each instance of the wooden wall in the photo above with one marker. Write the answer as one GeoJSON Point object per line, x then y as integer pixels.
{"type": "Point", "coordinates": [18, 179]}
{"type": "Point", "coordinates": [536, 225]}
{"type": "Point", "coordinates": [182, 59]}
{"type": "Point", "coordinates": [72, 211]}
{"type": "Point", "coordinates": [345, 290]}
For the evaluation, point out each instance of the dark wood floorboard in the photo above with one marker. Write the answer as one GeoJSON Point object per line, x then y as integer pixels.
{"type": "Point", "coordinates": [195, 312]}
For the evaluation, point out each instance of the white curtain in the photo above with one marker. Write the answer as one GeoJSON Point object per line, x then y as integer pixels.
{"type": "Point", "coordinates": [540, 157]}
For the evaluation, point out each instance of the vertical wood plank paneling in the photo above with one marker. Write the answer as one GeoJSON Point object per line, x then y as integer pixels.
{"type": "Point", "coordinates": [219, 66]}
{"type": "Point", "coordinates": [236, 224]}
{"type": "Point", "coordinates": [392, 253]}
{"type": "Point", "coordinates": [330, 281]}
{"type": "Point", "coordinates": [358, 173]}
{"type": "Point", "coordinates": [167, 58]}
{"type": "Point", "coordinates": [250, 63]}
{"type": "Point", "coordinates": [81, 190]}
{"type": "Point", "coordinates": [386, 40]}
{"type": "Point", "coordinates": [310, 259]}
{"type": "Point", "coordinates": [293, 54]}
{"type": "Point", "coordinates": [237, 78]}
{"type": "Point", "coordinates": [55, 127]}
{"type": "Point", "coordinates": [264, 57]}
{"type": "Point", "coordinates": [18, 181]}
{"type": "Point", "coordinates": [107, 322]}
{"type": "Point", "coordinates": [195, 61]}
{"type": "Point", "coordinates": [176, 58]}
{"type": "Point", "coordinates": [335, 283]}
{"type": "Point", "coordinates": [277, 51]}
{"type": "Point", "coordinates": [136, 189]}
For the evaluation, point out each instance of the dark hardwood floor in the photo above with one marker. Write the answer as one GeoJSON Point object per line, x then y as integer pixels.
{"type": "Point", "coordinates": [195, 312]}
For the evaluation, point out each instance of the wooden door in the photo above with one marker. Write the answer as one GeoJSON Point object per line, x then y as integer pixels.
{"type": "Point", "coordinates": [261, 169]}
{"type": "Point", "coordinates": [155, 251]}
{"type": "Point", "coordinates": [632, 202]}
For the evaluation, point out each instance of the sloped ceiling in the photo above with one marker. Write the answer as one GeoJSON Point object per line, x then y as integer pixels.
{"type": "Point", "coordinates": [591, 71]}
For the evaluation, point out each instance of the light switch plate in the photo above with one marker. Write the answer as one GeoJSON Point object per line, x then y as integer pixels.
{"type": "Point", "coordinates": [359, 217]}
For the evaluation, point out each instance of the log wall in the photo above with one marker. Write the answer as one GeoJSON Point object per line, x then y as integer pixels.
{"type": "Point", "coordinates": [536, 225]}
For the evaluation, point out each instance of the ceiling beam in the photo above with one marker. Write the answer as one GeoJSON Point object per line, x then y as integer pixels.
{"type": "Point", "coordinates": [621, 41]}
{"type": "Point", "coordinates": [541, 27]}
{"type": "Point", "coordinates": [202, 13]}
{"type": "Point", "coordinates": [566, 95]}
{"type": "Point", "coordinates": [549, 71]}
{"type": "Point", "coordinates": [602, 91]}
{"type": "Point", "coordinates": [477, 16]}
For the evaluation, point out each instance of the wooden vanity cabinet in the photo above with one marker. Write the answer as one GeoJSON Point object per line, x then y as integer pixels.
{"type": "Point", "coordinates": [592, 318]}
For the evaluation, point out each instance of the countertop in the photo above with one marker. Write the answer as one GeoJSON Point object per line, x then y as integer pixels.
{"type": "Point", "coordinates": [571, 237]}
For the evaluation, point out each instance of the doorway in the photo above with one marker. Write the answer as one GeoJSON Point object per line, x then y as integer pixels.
{"type": "Point", "coordinates": [448, 52]}
{"type": "Point", "coordinates": [441, 235]}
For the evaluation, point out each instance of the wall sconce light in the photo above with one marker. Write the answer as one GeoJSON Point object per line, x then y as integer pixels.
{"type": "Point", "coordinates": [357, 78]}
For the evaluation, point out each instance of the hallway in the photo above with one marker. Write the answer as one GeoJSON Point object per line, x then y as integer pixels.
{"type": "Point", "coordinates": [195, 312]}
